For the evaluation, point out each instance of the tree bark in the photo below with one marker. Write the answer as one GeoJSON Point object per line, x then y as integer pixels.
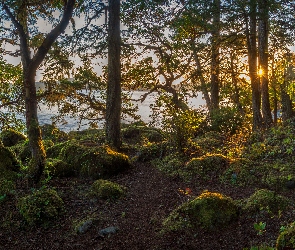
{"type": "Point", "coordinates": [215, 56]}
{"type": "Point", "coordinates": [252, 62]}
{"type": "Point", "coordinates": [113, 102]}
{"type": "Point", "coordinates": [263, 60]}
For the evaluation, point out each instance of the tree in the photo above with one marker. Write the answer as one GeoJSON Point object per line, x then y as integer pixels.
{"type": "Point", "coordinates": [263, 33]}
{"type": "Point", "coordinates": [113, 102]}
{"type": "Point", "coordinates": [22, 14]}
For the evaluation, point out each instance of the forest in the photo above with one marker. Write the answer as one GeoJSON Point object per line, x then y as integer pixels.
{"type": "Point", "coordinates": [219, 176]}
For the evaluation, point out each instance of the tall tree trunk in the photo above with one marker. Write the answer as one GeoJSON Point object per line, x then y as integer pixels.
{"type": "Point", "coordinates": [113, 102]}
{"type": "Point", "coordinates": [37, 164]}
{"type": "Point", "coordinates": [215, 56]}
{"type": "Point", "coordinates": [199, 73]}
{"type": "Point", "coordinates": [30, 66]}
{"type": "Point", "coordinates": [263, 60]}
{"type": "Point", "coordinates": [252, 62]}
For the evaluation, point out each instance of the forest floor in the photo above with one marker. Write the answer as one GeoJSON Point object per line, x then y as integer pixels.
{"type": "Point", "coordinates": [150, 197]}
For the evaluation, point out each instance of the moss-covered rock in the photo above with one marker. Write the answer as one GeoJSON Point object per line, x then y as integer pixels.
{"type": "Point", "coordinates": [58, 168]}
{"type": "Point", "coordinates": [264, 200]}
{"type": "Point", "coordinates": [22, 151]}
{"type": "Point", "coordinates": [138, 132]}
{"type": "Point", "coordinates": [51, 132]}
{"type": "Point", "coordinates": [40, 207]}
{"type": "Point", "coordinates": [151, 151]}
{"type": "Point", "coordinates": [8, 160]}
{"type": "Point", "coordinates": [10, 137]}
{"type": "Point", "coordinates": [209, 211]}
{"type": "Point", "coordinates": [96, 161]}
{"type": "Point", "coordinates": [107, 190]}
{"type": "Point", "coordinates": [55, 150]}
{"type": "Point", "coordinates": [286, 239]}
{"type": "Point", "coordinates": [207, 166]}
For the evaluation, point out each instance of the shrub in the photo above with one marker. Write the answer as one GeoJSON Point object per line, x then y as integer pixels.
{"type": "Point", "coordinates": [209, 210]}
{"type": "Point", "coordinates": [58, 168]}
{"type": "Point", "coordinates": [226, 120]}
{"type": "Point", "coordinates": [286, 238]}
{"type": "Point", "coordinates": [210, 141]}
{"type": "Point", "coordinates": [207, 166]}
{"type": "Point", "coordinates": [10, 137]}
{"type": "Point", "coordinates": [40, 207]}
{"type": "Point", "coordinates": [107, 190]}
{"type": "Point", "coordinates": [264, 200]}
{"type": "Point", "coordinates": [246, 172]}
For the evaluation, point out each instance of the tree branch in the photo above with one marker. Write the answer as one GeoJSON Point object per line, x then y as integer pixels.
{"type": "Point", "coordinates": [52, 35]}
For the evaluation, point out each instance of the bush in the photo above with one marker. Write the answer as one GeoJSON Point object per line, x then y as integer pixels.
{"type": "Point", "coordinates": [226, 120]}
{"type": "Point", "coordinates": [264, 200]}
{"type": "Point", "coordinates": [59, 168]}
{"type": "Point", "coordinates": [209, 210]}
{"type": "Point", "coordinates": [210, 141]}
{"type": "Point", "coordinates": [207, 166]}
{"type": "Point", "coordinates": [107, 190]}
{"type": "Point", "coordinates": [11, 137]}
{"type": "Point", "coordinates": [286, 239]}
{"type": "Point", "coordinates": [242, 172]}
{"type": "Point", "coordinates": [95, 162]}
{"type": "Point", "coordinates": [40, 207]}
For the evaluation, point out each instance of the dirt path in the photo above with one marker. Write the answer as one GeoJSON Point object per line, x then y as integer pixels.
{"type": "Point", "coordinates": [151, 196]}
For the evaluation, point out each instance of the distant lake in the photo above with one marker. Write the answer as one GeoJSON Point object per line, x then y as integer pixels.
{"type": "Point", "coordinates": [144, 111]}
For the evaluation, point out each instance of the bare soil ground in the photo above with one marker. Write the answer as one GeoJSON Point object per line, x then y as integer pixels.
{"type": "Point", "coordinates": [151, 196]}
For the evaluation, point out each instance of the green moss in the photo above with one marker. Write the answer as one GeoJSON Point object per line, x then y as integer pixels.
{"type": "Point", "coordinates": [207, 166]}
{"type": "Point", "coordinates": [264, 200]}
{"type": "Point", "coordinates": [51, 132]}
{"type": "Point", "coordinates": [151, 151]}
{"type": "Point", "coordinates": [59, 168]}
{"type": "Point", "coordinates": [138, 132]}
{"type": "Point", "coordinates": [95, 161]}
{"type": "Point", "coordinates": [8, 160]}
{"type": "Point", "coordinates": [55, 150]}
{"type": "Point", "coordinates": [107, 190]}
{"type": "Point", "coordinates": [209, 210]}
{"type": "Point", "coordinates": [286, 239]}
{"type": "Point", "coordinates": [40, 207]}
{"type": "Point", "coordinates": [11, 137]}
{"type": "Point", "coordinates": [22, 151]}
